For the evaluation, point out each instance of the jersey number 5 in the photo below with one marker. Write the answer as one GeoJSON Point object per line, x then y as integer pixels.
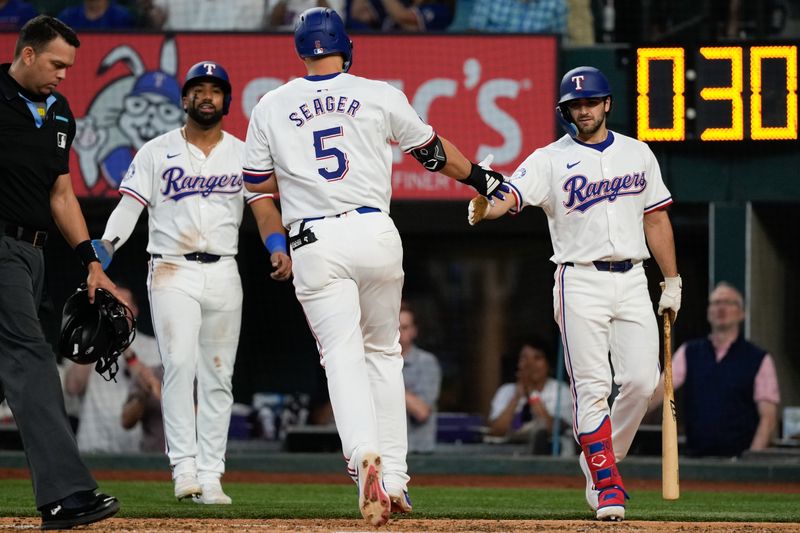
{"type": "Point", "coordinates": [342, 163]}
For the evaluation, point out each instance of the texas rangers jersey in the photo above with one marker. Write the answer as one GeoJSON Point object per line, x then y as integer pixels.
{"type": "Point", "coordinates": [327, 139]}
{"type": "Point", "coordinates": [595, 196]}
{"type": "Point", "coordinates": [194, 202]}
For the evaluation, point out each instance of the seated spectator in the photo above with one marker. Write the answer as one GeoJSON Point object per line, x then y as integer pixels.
{"type": "Point", "coordinates": [523, 411]}
{"type": "Point", "coordinates": [519, 16]}
{"type": "Point", "coordinates": [423, 379]}
{"type": "Point", "coordinates": [14, 14]}
{"type": "Point", "coordinates": [96, 15]}
{"type": "Point", "coordinates": [403, 15]}
{"type": "Point", "coordinates": [282, 14]}
{"type": "Point", "coordinates": [730, 387]}
{"type": "Point", "coordinates": [143, 405]}
{"type": "Point", "coordinates": [99, 429]}
{"type": "Point", "coordinates": [204, 15]}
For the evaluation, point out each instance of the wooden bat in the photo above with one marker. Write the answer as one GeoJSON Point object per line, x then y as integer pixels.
{"type": "Point", "coordinates": [670, 488]}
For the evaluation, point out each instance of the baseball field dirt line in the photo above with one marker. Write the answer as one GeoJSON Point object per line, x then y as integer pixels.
{"type": "Point", "coordinates": [436, 480]}
{"type": "Point", "coordinates": [158, 525]}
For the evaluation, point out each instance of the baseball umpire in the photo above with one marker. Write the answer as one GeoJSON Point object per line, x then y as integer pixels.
{"type": "Point", "coordinates": [35, 137]}
{"type": "Point", "coordinates": [605, 203]}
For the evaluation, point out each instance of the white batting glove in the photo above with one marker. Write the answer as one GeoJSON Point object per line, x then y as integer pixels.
{"type": "Point", "coordinates": [670, 295]}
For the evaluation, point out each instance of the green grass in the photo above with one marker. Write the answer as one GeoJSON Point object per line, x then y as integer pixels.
{"type": "Point", "coordinates": [142, 499]}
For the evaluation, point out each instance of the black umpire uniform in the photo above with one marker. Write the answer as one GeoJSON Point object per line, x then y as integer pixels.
{"type": "Point", "coordinates": [35, 136]}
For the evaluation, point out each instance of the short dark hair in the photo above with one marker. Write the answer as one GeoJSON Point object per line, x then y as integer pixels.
{"type": "Point", "coordinates": [40, 31]}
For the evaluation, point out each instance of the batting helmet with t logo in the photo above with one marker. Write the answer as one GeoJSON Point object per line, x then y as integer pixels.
{"type": "Point", "coordinates": [213, 72]}
{"type": "Point", "coordinates": [580, 82]}
{"type": "Point", "coordinates": [320, 32]}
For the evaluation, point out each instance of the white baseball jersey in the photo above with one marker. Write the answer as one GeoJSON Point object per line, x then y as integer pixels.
{"type": "Point", "coordinates": [595, 200]}
{"type": "Point", "coordinates": [327, 138]}
{"type": "Point", "coordinates": [188, 194]}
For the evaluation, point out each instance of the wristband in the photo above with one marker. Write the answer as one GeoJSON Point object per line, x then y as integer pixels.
{"type": "Point", "coordinates": [275, 242]}
{"type": "Point", "coordinates": [86, 252]}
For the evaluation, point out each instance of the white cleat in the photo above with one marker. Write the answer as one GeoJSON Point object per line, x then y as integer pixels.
{"type": "Point", "coordinates": [592, 494]}
{"type": "Point", "coordinates": [213, 494]}
{"type": "Point", "coordinates": [373, 502]}
{"type": "Point", "coordinates": [186, 486]}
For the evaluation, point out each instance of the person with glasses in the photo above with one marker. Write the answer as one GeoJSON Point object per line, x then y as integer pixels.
{"type": "Point", "coordinates": [729, 385]}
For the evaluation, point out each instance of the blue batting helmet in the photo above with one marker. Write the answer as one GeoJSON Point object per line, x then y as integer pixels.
{"type": "Point", "coordinates": [580, 82]}
{"type": "Point", "coordinates": [320, 32]}
{"type": "Point", "coordinates": [213, 72]}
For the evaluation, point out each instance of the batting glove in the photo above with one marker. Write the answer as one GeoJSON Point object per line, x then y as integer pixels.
{"type": "Point", "coordinates": [670, 295]}
{"type": "Point", "coordinates": [487, 181]}
{"type": "Point", "coordinates": [104, 250]}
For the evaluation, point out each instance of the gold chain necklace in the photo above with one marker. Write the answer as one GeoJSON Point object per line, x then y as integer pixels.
{"type": "Point", "coordinates": [202, 160]}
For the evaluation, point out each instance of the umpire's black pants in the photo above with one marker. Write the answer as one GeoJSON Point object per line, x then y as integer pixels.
{"type": "Point", "coordinates": [29, 378]}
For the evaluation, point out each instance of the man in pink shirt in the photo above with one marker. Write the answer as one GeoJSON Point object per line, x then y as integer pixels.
{"type": "Point", "coordinates": [731, 393]}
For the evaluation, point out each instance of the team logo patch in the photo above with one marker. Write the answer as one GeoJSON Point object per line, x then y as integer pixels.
{"type": "Point", "coordinates": [61, 140]}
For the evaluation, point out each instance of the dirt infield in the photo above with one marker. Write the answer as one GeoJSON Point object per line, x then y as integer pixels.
{"type": "Point", "coordinates": [140, 525]}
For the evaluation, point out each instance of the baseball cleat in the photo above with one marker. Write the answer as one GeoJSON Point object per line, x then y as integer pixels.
{"type": "Point", "coordinates": [612, 504]}
{"type": "Point", "coordinates": [401, 502]}
{"type": "Point", "coordinates": [212, 494]}
{"type": "Point", "coordinates": [373, 502]}
{"type": "Point", "coordinates": [187, 486]}
{"type": "Point", "coordinates": [591, 492]}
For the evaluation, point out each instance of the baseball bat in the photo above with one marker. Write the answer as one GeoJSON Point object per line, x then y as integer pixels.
{"type": "Point", "coordinates": [670, 488]}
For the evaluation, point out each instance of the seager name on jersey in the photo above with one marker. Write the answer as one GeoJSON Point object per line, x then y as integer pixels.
{"type": "Point", "coordinates": [323, 106]}
{"type": "Point", "coordinates": [583, 194]}
{"type": "Point", "coordinates": [177, 184]}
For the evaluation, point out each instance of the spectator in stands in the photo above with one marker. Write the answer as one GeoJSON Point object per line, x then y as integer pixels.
{"type": "Point", "coordinates": [730, 387]}
{"type": "Point", "coordinates": [143, 405]}
{"type": "Point", "coordinates": [519, 16]}
{"type": "Point", "coordinates": [96, 15]}
{"type": "Point", "coordinates": [423, 379]}
{"type": "Point", "coordinates": [403, 15]}
{"type": "Point", "coordinates": [99, 429]}
{"type": "Point", "coordinates": [523, 411]}
{"type": "Point", "coordinates": [204, 15]}
{"type": "Point", "coordinates": [14, 14]}
{"type": "Point", "coordinates": [281, 14]}
{"type": "Point", "coordinates": [580, 23]}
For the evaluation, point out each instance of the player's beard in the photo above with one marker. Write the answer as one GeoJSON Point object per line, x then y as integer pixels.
{"type": "Point", "coordinates": [204, 118]}
{"type": "Point", "coordinates": [591, 129]}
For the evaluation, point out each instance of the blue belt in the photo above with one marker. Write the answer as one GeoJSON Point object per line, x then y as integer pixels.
{"type": "Point", "coordinates": [361, 210]}
{"type": "Point", "coordinates": [609, 266]}
{"type": "Point", "coordinates": [200, 257]}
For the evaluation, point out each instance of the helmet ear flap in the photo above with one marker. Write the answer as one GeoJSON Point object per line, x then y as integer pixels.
{"type": "Point", "coordinates": [564, 119]}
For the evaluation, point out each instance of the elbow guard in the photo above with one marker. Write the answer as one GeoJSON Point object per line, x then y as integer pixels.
{"type": "Point", "coordinates": [431, 155]}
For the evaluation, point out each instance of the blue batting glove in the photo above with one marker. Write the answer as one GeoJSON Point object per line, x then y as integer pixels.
{"type": "Point", "coordinates": [104, 250]}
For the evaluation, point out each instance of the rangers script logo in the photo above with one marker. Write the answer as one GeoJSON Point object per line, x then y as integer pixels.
{"type": "Point", "coordinates": [584, 194]}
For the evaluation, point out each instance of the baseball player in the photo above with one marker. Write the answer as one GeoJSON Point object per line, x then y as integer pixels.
{"type": "Point", "coordinates": [604, 199]}
{"type": "Point", "coordinates": [326, 137]}
{"type": "Point", "coordinates": [190, 180]}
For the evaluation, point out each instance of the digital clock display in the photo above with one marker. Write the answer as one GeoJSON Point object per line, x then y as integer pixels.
{"type": "Point", "coordinates": [717, 93]}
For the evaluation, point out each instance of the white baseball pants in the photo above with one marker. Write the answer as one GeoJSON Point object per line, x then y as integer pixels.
{"type": "Point", "coordinates": [350, 283]}
{"type": "Point", "coordinates": [197, 311]}
{"type": "Point", "coordinates": [601, 312]}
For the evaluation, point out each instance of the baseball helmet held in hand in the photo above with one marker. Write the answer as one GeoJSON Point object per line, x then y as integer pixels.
{"type": "Point", "coordinates": [96, 333]}
{"type": "Point", "coordinates": [212, 72]}
{"type": "Point", "coordinates": [320, 32]}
